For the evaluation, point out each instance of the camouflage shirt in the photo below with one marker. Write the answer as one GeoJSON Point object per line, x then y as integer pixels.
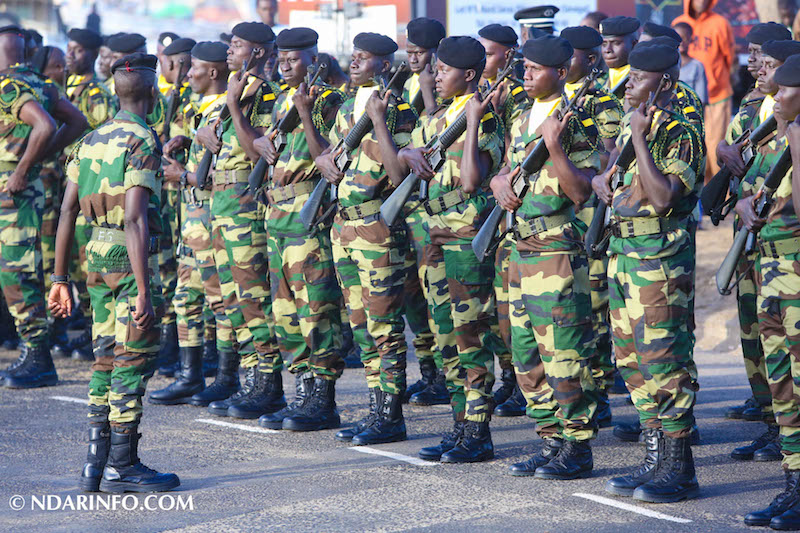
{"type": "Point", "coordinates": [515, 103]}
{"type": "Point", "coordinates": [674, 143]}
{"type": "Point", "coordinates": [18, 86]}
{"type": "Point", "coordinates": [203, 112]}
{"type": "Point", "coordinates": [746, 118]}
{"type": "Point", "coordinates": [766, 153]}
{"type": "Point", "coordinates": [782, 221]}
{"type": "Point", "coordinates": [183, 111]}
{"type": "Point", "coordinates": [92, 98]}
{"type": "Point", "coordinates": [120, 154]}
{"type": "Point", "coordinates": [464, 220]}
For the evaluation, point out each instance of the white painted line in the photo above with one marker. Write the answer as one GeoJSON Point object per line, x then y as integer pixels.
{"type": "Point", "coordinates": [631, 508]}
{"type": "Point", "coordinates": [82, 401]}
{"type": "Point", "coordinates": [242, 427]}
{"type": "Point", "coordinates": [397, 456]}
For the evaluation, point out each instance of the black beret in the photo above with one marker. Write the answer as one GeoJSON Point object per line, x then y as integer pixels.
{"type": "Point", "coordinates": [618, 26]}
{"type": "Point", "coordinates": [296, 39]}
{"type": "Point", "coordinates": [548, 50]}
{"type": "Point", "coordinates": [137, 61]}
{"type": "Point", "coordinates": [767, 31]}
{"type": "Point", "coordinates": [11, 28]}
{"type": "Point", "coordinates": [211, 51]}
{"type": "Point", "coordinates": [582, 37]}
{"type": "Point", "coordinates": [255, 32]}
{"type": "Point", "coordinates": [498, 33]}
{"type": "Point", "coordinates": [657, 30]}
{"type": "Point", "coordinates": [86, 38]}
{"type": "Point", "coordinates": [425, 32]}
{"type": "Point", "coordinates": [538, 17]}
{"type": "Point", "coordinates": [36, 36]}
{"type": "Point", "coordinates": [126, 42]}
{"type": "Point", "coordinates": [375, 43]}
{"type": "Point", "coordinates": [225, 37]}
{"type": "Point", "coordinates": [166, 38]}
{"type": "Point", "coordinates": [181, 45]}
{"type": "Point", "coordinates": [780, 50]}
{"type": "Point", "coordinates": [461, 52]}
{"type": "Point", "coordinates": [106, 38]}
{"type": "Point", "coordinates": [655, 56]}
{"type": "Point", "coordinates": [663, 39]}
{"type": "Point", "coordinates": [788, 74]}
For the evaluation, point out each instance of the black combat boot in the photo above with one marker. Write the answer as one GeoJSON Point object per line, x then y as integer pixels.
{"type": "Point", "coordinates": [674, 479]}
{"type": "Point", "coordinates": [602, 416]}
{"type": "Point", "coordinates": [303, 383]}
{"type": "Point", "coordinates": [573, 461]}
{"type": "Point", "coordinates": [548, 452]}
{"type": "Point", "coordinates": [225, 384]}
{"type": "Point", "coordinates": [788, 521]}
{"type": "Point", "coordinates": [625, 485]}
{"type": "Point", "coordinates": [434, 394]}
{"type": "Point", "coordinates": [124, 472]}
{"type": "Point", "coordinates": [782, 502]}
{"type": "Point", "coordinates": [375, 399]}
{"type": "Point", "coordinates": [23, 355]}
{"type": "Point", "coordinates": [220, 407]}
{"type": "Point", "coordinates": [514, 406]}
{"type": "Point", "coordinates": [770, 452]}
{"type": "Point", "coordinates": [474, 446]}
{"type": "Point", "coordinates": [319, 411]}
{"type": "Point", "coordinates": [189, 379]}
{"type": "Point", "coordinates": [37, 370]}
{"type": "Point", "coordinates": [448, 442]}
{"type": "Point", "coordinates": [168, 362]}
{"type": "Point", "coordinates": [508, 381]}
{"type": "Point", "coordinates": [745, 453]}
{"type": "Point", "coordinates": [59, 340]}
{"type": "Point", "coordinates": [750, 408]}
{"type": "Point", "coordinates": [628, 432]}
{"type": "Point", "coordinates": [427, 367]}
{"type": "Point", "coordinates": [82, 347]}
{"type": "Point", "coordinates": [210, 358]}
{"type": "Point", "coordinates": [99, 443]}
{"type": "Point", "coordinates": [390, 426]}
{"type": "Point", "coordinates": [618, 387]}
{"type": "Point", "coordinates": [266, 397]}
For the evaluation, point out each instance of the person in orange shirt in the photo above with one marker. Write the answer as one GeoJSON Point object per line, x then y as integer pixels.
{"type": "Point", "coordinates": [712, 44]}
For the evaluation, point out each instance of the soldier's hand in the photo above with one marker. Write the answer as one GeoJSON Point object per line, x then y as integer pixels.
{"type": "Point", "coordinates": [206, 137]}
{"type": "Point", "coordinates": [601, 184]}
{"type": "Point", "coordinates": [144, 316]}
{"type": "Point", "coordinates": [476, 109]}
{"type": "Point", "coordinates": [236, 85]}
{"type": "Point", "coordinates": [376, 106]}
{"type": "Point", "coordinates": [503, 191]}
{"type": "Point", "coordinates": [427, 80]}
{"type": "Point", "coordinates": [59, 302]}
{"type": "Point", "coordinates": [746, 209]}
{"type": "Point", "coordinates": [303, 99]}
{"type": "Point", "coordinates": [414, 158]}
{"type": "Point", "coordinates": [499, 96]}
{"type": "Point", "coordinates": [172, 170]}
{"type": "Point", "coordinates": [641, 119]}
{"type": "Point", "coordinates": [266, 148]}
{"type": "Point", "coordinates": [17, 182]}
{"type": "Point", "coordinates": [731, 157]}
{"type": "Point", "coordinates": [553, 129]}
{"type": "Point", "coordinates": [177, 143]}
{"type": "Point", "coordinates": [327, 167]}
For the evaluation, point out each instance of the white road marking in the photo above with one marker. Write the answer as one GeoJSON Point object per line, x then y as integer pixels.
{"type": "Point", "coordinates": [82, 401]}
{"type": "Point", "coordinates": [397, 456]}
{"type": "Point", "coordinates": [242, 427]}
{"type": "Point", "coordinates": [631, 508]}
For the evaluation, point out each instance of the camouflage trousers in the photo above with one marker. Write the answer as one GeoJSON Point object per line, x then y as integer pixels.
{"type": "Point", "coordinates": [461, 303]}
{"type": "Point", "coordinates": [124, 355]}
{"type": "Point", "coordinates": [199, 309]}
{"type": "Point", "coordinates": [653, 341]}
{"type": "Point", "coordinates": [305, 302]}
{"type": "Point", "coordinates": [503, 328]}
{"type": "Point", "coordinates": [415, 299]}
{"type": "Point", "coordinates": [603, 366]}
{"type": "Point", "coordinates": [372, 282]}
{"type": "Point", "coordinates": [552, 341]}
{"type": "Point", "coordinates": [754, 364]}
{"type": "Point", "coordinates": [51, 179]}
{"type": "Point", "coordinates": [21, 275]}
{"type": "Point", "coordinates": [167, 257]}
{"type": "Point", "coordinates": [79, 268]}
{"type": "Point", "coordinates": [239, 239]}
{"type": "Point", "coordinates": [779, 326]}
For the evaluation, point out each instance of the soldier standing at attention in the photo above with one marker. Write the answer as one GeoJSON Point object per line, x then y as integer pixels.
{"type": "Point", "coordinates": [536, 21]}
{"type": "Point", "coordinates": [651, 275]}
{"type": "Point", "coordinates": [114, 177]}
{"type": "Point", "coordinates": [619, 38]}
{"type": "Point", "coordinates": [164, 40]}
{"type": "Point", "coordinates": [368, 255]}
{"type": "Point", "coordinates": [552, 338]}
{"type": "Point", "coordinates": [459, 287]}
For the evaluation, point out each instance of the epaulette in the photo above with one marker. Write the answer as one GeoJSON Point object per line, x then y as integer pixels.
{"type": "Point", "coordinates": [518, 93]}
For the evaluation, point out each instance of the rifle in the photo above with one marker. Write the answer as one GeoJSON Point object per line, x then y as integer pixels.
{"type": "Point", "coordinates": [174, 98]}
{"type": "Point", "coordinates": [436, 154]}
{"type": "Point", "coordinates": [713, 195]}
{"type": "Point", "coordinates": [487, 240]}
{"type": "Point", "coordinates": [619, 89]}
{"type": "Point", "coordinates": [279, 137]}
{"type": "Point", "coordinates": [418, 102]}
{"type": "Point", "coordinates": [343, 160]}
{"type": "Point", "coordinates": [204, 166]}
{"type": "Point", "coordinates": [594, 244]}
{"type": "Point", "coordinates": [746, 240]}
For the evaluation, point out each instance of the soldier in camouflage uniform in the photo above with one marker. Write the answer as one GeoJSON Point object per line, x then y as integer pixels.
{"type": "Point", "coordinates": [459, 287]}
{"type": "Point", "coordinates": [369, 256]}
{"type": "Point", "coordinates": [651, 275]}
{"type": "Point", "coordinates": [29, 136]}
{"type": "Point", "coordinates": [619, 37]}
{"type": "Point", "coordinates": [778, 238]}
{"type": "Point", "coordinates": [238, 222]}
{"type": "Point", "coordinates": [114, 177]}
{"type": "Point", "coordinates": [552, 338]}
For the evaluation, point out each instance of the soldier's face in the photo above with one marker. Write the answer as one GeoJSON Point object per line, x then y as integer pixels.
{"type": "Point", "coordinates": [55, 69]}
{"type": "Point", "coordinates": [240, 50]}
{"type": "Point", "coordinates": [541, 81]}
{"type": "Point", "coordinates": [616, 49]}
{"type": "Point", "coordinates": [294, 65]}
{"type": "Point", "coordinates": [418, 57]}
{"type": "Point", "coordinates": [753, 59]}
{"type": "Point", "coordinates": [640, 85]}
{"type": "Point", "coordinates": [451, 81]}
{"type": "Point", "coordinates": [787, 103]}
{"type": "Point", "coordinates": [581, 64]}
{"type": "Point", "coordinates": [766, 82]}
{"type": "Point", "coordinates": [79, 59]}
{"type": "Point", "coordinates": [496, 57]}
{"type": "Point", "coordinates": [199, 75]}
{"type": "Point", "coordinates": [365, 66]}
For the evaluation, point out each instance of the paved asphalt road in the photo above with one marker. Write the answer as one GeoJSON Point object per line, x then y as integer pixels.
{"type": "Point", "coordinates": [242, 479]}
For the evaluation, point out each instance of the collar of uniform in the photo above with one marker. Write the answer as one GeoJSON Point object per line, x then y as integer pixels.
{"type": "Point", "coordinates": [76, 80]}
{"type": "Point", "coordinates": [362, 95]}
{"type": "Point", "coordinates": [766, 108]}
{"type": "Point", "coordinates": [540, 110]}
{"type": "Point", "coordinates": [413, 86]}
{"type": "Point", "coordinates": [122, 114]}
{"type": "Point", "coordinates": [207, 103]}
{"type": "Point", "coordinates": [572, 88]}
{"type": "Point", "coordinates": [163, 85]}
{"type": "Point", "coordinates": [251, 82]}
{"type": "Point", "coordinates": [287, 104]}
{"type": "Point", "coordinates": [615, 75]}
{"type": "Point", "coordinates": [455, 108]}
